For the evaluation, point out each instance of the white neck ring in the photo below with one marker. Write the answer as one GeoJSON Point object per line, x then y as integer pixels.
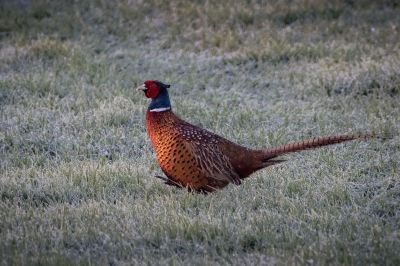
{"type": "Point", "coordinates": [162, 109]}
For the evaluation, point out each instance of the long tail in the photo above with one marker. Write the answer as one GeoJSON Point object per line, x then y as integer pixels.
{"type": "Point", "coordinates": [310, 144]}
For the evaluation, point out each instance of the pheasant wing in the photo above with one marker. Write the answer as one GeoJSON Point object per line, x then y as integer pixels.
{"type": "Point", "coordinates": [205, 148]}
{"type": "Point", "coordinates": [212, 162]}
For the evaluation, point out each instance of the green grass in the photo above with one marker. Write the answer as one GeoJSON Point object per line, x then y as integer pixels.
{"type": "Point", "coordinates": [77, 171]}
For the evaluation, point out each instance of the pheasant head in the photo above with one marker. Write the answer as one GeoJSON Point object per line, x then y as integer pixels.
{"type": "Point", "coordinates": [157, 92]}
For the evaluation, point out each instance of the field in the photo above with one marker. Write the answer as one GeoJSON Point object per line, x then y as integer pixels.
{"type": "Point", "coordinates": [77, 183]}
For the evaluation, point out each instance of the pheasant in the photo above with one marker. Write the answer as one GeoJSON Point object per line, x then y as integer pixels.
{"type": "Point", "coordinates": [196, 159]}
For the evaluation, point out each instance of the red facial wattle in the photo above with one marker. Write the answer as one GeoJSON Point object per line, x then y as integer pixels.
{"type": "Point", "coordinates": [152, 89]}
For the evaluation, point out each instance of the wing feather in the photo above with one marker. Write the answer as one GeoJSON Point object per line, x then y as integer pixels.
{"type": "Point", "coordinates": [212, 162]}
{"type": "Point", "coordinates": [205, 147]}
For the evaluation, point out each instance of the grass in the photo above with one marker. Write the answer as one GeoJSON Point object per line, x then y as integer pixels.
{"type": "Point", "coordinates": [77, 171]}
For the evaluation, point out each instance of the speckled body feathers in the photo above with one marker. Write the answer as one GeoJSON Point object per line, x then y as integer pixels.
{"type": "Point", "coordinates": [193, 157]}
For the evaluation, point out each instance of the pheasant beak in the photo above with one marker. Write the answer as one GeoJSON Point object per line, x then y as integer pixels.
{"type": "Point", "coordinates": [141, 88]}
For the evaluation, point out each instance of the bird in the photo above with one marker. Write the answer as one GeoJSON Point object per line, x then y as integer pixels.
{"type": "Point", "coordinates": [201, 161]}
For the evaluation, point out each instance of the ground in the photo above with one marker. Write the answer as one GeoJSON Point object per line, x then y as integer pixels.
{"type": "Point", "coordinates": [77, 171]}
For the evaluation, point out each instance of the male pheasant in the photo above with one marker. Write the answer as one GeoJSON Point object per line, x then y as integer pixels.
{"type": "Point", "coordinates": [199, 160]}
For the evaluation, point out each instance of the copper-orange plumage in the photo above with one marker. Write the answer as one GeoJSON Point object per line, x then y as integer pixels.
{"type": "Point", "coordinates": [199, 160]}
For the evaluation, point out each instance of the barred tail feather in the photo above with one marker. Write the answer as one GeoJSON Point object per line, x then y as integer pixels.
{"type": "Point", "coordinates": [311, 144]}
